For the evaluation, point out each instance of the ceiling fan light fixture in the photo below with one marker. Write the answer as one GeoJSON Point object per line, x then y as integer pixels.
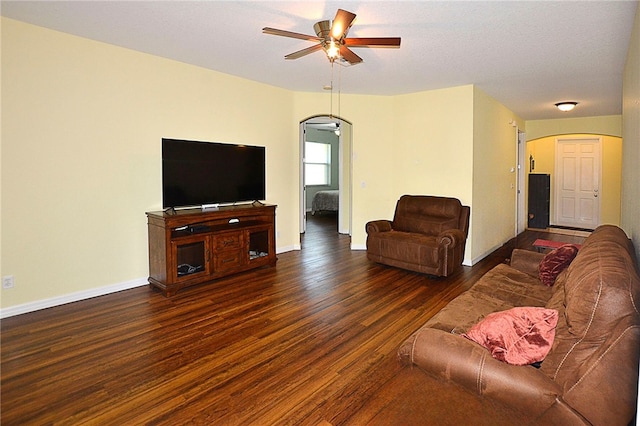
{"type": "Point", "coordinates": [566, 105]}
{"type": "Point", "coordinates": [331, 37]}
{"type": "Point", "coordinates": [337, 30]}
{"type": "Point", "coordinates": [333, 51]}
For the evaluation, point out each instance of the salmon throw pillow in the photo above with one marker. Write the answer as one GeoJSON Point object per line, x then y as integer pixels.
{"type": "Point", "coordinates": [555, 262]}
{"type": "Point", "coordinates": [518, 336]}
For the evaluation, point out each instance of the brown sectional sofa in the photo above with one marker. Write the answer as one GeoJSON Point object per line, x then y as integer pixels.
{"type": "Point", "coordinates": [428, 234]}
{"type": "Point", "coordinates": [589, 376]}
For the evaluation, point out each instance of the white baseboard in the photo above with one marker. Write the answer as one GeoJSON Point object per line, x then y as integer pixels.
{"type": "Point", "coordinates": [71, 297]}
{"type": "Point", "coordinates": [87, 294]}
{"type": "Point", "coordinates": [482, 256]}
{"type": "Point", "coordinates": [288, 248]}
{"type": "Point", "coordinates": [100, 291]}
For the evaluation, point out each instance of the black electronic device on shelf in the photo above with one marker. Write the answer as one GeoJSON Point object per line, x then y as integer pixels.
{"type": "Point", "coordinates": [196, 229]}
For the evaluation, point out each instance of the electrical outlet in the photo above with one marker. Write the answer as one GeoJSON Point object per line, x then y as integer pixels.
{"type": "Point", "coordinates": [8, 281]}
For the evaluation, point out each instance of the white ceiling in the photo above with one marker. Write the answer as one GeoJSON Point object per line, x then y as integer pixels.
{"type": "Point", "coordinates": [526, 54]}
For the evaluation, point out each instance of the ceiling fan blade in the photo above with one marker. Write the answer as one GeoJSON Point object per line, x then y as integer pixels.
{"type": "Point", "coordinates": [341, 24]}
{"type": "Point", "coordinates": [304, 52]}
{"type": "Point", "coordinates": [283, 33]}
{"type": "Point", "coordinates": [348, 55]}
{"type": "Point", "coordinates": [372, 42]}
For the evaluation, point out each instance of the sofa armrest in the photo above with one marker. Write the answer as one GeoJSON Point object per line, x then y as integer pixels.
{"type": "Point", "coordinates": [378, 226]}
{"type": "Point", "coordinates": [451, 237]}
{"type": "Point", "coordinates": [453, 358]}
{"type": "Point", "coordinates": [526, 261]}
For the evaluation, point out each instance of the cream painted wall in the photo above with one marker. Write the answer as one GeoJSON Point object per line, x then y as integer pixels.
{"type": "Point", "coordinates": [81, 135]}
{"type": "Point", "coordinates": [371, 172]}
{"type": "Point", "coordinates": [392, 157]}
{"type": "Point", "coordinates": [424, 143]}
{"type": "Point", "coordinates": [630, 216]}
{"type": "Point", "coordinates": [602, 125]}
{"type": "Point", "coordinates": [543, 151]}
{"type": "Point", "coordinates": [1, 274]}
{"type": "Point", "coordinates": [81, 131]}
{"type": "Point", "coordinates": [433, 143]}
{"type": "Point", "coordinates": [432, 149]}
{"type": "Point", "coordinates": [494, 174]}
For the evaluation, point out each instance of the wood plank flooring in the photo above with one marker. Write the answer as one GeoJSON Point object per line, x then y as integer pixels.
{"type": "Point", "coordinates": [311, 341]}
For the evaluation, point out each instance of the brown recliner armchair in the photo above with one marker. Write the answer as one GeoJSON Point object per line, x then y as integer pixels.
{"type": "Point", "coordinates": [428, 235]}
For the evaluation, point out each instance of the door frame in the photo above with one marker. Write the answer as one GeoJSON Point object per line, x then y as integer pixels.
{"type": "Point", "coordinates": [345, 165]}
{"type": "Point", "coordinates": [521, 213]}
{"type": "Point", "coordinates": [597, 140]}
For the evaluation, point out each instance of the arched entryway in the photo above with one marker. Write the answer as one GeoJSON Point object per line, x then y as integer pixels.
{"type": "Point", "coordinates": [337, 133]}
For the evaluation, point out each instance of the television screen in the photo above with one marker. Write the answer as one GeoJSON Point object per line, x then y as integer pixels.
{"type": "Point", "coordinates": [204, 173]}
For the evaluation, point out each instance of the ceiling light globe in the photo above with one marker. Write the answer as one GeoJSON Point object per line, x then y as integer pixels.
{"type": "Point", "coordinates": [333, 50]}
{"type": "Point", "coordinates": [566, 106]}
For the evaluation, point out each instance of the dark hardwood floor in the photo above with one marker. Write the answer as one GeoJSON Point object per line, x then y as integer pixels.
{"type": "Point", "coordinates": [311, 341]}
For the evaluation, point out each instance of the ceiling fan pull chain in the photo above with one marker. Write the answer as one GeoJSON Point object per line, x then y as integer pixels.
{"type": "Point", "coordinates": [339, 87]}
{"type": "Point", "coordinates": [331, 97]}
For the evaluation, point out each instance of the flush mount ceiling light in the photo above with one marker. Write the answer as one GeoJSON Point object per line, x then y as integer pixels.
{"type": "Point", "coordinates": [566, 106]}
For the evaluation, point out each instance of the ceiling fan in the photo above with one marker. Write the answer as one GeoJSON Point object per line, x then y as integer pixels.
{"type": "Point", "coordinates": [332, 38]}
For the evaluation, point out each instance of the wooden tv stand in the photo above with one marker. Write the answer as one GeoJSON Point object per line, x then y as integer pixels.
{"type": "Point", "coordinates": [189, 247]}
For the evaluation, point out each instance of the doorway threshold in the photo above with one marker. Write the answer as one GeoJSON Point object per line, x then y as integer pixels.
{"type": "Point", "coordinates": [568, 230]}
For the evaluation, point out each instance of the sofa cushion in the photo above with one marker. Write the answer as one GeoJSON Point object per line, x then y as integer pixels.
{"type": "Point", "coordinates": [427, 225]}
{"type": "Point", "coordinates": [601, 287]}
{"type": "Point", "coordinates": [557, 299]}
{"type": "Point", "coordinates": [501, 288]}
{"type": "Point", "coordinates": [518, 336]}
{"type": "Point", "coordinates": [409, 247]}
{"type": "Point", "coordinates": [515, 287]}
{"type": "Point", "coordinates": [555, 262]}
{"type": "Point", "coordinates": [427, 215]}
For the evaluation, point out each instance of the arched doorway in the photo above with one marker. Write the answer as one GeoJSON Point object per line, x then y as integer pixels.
{"type": "Point", "coordinates": [543, 156]}
{"type": "Point", "coordinates": [337, 133]}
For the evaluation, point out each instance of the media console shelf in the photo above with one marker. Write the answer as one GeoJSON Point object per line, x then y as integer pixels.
{"type": "Point", "coordinates": [193, 246]}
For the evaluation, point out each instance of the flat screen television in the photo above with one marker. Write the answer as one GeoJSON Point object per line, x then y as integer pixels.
{"type": "Point", "coordinates": [206, 174]}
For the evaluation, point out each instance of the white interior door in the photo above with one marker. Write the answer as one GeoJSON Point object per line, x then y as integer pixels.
{"type": "Point", "coordinates": [578, 182]}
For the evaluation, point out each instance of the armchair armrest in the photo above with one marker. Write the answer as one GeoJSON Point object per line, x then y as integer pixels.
{"type": "Point", "coordinates": [451, 237]}
{"type": "Point", "coordinates": [453, 358]}
{"type": "Point", "coordinates": [526, 261]}
{"type": "Point", "coordinates": [378, 226]}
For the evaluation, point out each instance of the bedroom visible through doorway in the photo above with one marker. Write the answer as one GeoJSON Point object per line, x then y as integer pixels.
{"type": "Point", "coordinates": [325, 171]}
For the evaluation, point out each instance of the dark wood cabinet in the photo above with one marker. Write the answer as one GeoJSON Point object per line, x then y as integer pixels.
{"type": "Point", "coordinates": [539, 200]}
{"type": "Point", "coordinates": [189, 247]}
